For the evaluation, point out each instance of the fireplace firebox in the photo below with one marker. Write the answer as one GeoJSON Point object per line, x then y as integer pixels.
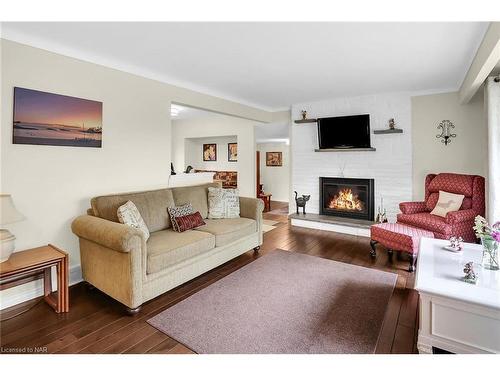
{"type": "Point", "coordinates": [347, 197]}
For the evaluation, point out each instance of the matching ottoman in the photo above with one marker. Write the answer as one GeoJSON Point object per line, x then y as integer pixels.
{"type": "Point", "coordinates": [398, 237]}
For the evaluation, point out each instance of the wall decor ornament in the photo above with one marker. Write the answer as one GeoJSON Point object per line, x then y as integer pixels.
{"type": "Point", "coordinates": [304, 115]}
{"type": "Point", "coordinates": [44, 118]}
{"type": "Point", "coordinates": [232, 152]}
{"type": "Point", "coordinates": [210, 152]}
{"type": "Point", "coordinates": [446, 126]}
{"type": "Point", "coordinates": [274, 159]}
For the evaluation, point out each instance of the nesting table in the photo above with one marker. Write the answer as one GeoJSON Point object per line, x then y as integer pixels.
{"type": "Point", "coordinates": [454, 315]}
{"type": "Point", "coordinates": [28, 265]}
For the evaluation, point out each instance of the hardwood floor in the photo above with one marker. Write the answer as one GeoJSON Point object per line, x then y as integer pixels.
{"type": "Point", "coordinates": [96, 323]}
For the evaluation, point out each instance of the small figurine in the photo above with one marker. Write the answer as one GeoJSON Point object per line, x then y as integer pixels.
{"type": "Point", "coordinates": [392, 124]}
{"type": "Point", "coordinates": [470, 276]}
{"type": "Point", "coordinates": [304, 115]}
{"type": "Point", "coordinates": [456, 243]}
{"type": "Point", "coordinates": [301, 202]}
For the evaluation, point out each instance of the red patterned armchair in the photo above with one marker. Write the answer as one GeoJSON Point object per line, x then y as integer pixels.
{"type": "Point", "coordinates": [456, 223]}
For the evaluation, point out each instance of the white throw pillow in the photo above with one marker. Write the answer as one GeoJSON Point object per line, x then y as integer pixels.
{"type": "Point", "coordinates": [223, 203]}
{"type": "Point", "coordinates": [447, 202]}
{"type": "Point", "coordinates": [232, 203]}
{"type": "Point", "coordinates": [128, 214]}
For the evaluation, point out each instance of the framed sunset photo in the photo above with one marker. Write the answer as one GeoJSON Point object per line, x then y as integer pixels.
{"type": "Point", "coordinates": [210, 152]}
{"type": "Point", "coordinates": [232, 152]}
{"type": "Point", "coordinates": [43, 118]}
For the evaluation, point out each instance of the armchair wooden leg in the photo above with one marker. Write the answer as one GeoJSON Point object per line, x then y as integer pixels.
{"type": "Point", "coordinates": [413, 262]}
{"type": "Point", "coordinates": [373, 251]}
{"type": "Point", "coordinates": [390, 253]}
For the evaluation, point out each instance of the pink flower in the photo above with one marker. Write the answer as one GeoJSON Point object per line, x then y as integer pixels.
{"type": "Point", "coordinates": [496, 235]}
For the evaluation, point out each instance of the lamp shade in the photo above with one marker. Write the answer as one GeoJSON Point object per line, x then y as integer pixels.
{"type": "Point", "coordinates": [8, 212]}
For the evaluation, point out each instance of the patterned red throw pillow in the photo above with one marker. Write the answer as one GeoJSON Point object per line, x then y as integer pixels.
{"type": "Point", "coordinates": [187, 222]}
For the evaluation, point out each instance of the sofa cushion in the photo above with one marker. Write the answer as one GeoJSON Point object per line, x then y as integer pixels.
{"type": "Point", "coordinates": [447, 202]}
{"type": "Point", "coordinates": [228, 230]}
{"type": "Point", "coordinates": [128, 214]}
{"type": "Point", "coordinates": [152, 206]}
{"type": "Point", "coordinates": [166, 248]}
{"type": "Point", "coordinates": [434, 197]}
{"type": "Point", "coordinates": [196, 195]}
{"type": "Point", "coordinates": [426, 221]}
{"type": "Point", "coordinates": [187, 222]}
{"type": "Point", "coordinates": [223, 203]}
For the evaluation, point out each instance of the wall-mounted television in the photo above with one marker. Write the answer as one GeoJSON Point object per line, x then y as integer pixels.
{"type": "Point", "coordinates": [344, 132]}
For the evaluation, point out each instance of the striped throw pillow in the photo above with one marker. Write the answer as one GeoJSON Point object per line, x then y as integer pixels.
{"type": "Point", "coordinates": [187, 222]}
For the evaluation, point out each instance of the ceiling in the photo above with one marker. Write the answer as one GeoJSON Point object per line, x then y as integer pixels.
{"type": "Point", "coordinates": [274, 132]}
{"type": "Point", "coordinates": [271, 65]}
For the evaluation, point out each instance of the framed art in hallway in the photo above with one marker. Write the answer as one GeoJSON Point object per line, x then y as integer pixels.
{"type": "Point", "coordinates": [274, 159]}
{"type": "Point", "coordinates": [210, 152]}
{"type": "Point", "coordinates": [232, 152]}
{"type": "Point", "coordinates": [43, 118]}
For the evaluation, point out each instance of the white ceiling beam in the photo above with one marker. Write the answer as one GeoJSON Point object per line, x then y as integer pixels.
{"type": "Point", "coordinates": [487, 57]}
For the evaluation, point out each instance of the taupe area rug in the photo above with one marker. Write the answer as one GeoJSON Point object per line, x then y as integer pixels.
{"type": "Point", "coordinates": [284, 302]}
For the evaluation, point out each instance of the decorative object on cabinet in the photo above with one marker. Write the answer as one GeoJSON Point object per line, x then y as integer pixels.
{"type": "Point", "coordinates": [490, 239]}
{"type": "Point", "coordinates": [274, 159]}
{"type": "Point", "coordinates": [9, 214]}
{"type": "Point", "coordinates": [43, 118]}
{"type": "Point", "coordinates": [445, 126]}
{"type": "Point", "coordinates": [232, 152]}
{"type": "Point", "coordinates": [210, 152]}
{"type": "Point", "coordinates": [470, 275]}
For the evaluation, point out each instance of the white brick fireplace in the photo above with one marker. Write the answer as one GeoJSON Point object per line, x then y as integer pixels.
{"type": "Point", "coordinates": [390, 165]}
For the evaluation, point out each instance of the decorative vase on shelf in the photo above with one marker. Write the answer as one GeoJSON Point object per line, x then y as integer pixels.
{"type": "Point", "coordinates": [490, 259]}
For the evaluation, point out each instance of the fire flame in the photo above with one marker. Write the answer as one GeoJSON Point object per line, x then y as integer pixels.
{"type": "Point", "coordinates": [346, 200]}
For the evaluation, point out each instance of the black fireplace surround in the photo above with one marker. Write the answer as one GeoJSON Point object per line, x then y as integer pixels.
{"type": "Point", "coordinates": [347, 197]}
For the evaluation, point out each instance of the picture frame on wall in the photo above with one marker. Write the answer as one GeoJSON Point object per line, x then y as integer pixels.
{"type": "Point", "coordinates": [44, 118]}
{"type": "Point", "coordinates": [274, 159]}
{"type": "Point", "coordinates": [232, 152]}
{"type": "Point", "coordinates": [210, 152]}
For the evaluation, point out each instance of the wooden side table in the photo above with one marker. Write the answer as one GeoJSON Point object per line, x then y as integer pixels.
{"type": "Point", "coordinates": [266, 198]}
{"type": "Point", "coordinates": [28, 265]}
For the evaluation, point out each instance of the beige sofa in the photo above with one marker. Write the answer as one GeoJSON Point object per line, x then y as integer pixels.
{"type": "Point", "coordinates": [116, 259]}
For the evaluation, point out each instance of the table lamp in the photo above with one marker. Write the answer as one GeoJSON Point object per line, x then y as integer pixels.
{"type": "Point", "coordinates": [8, 214]}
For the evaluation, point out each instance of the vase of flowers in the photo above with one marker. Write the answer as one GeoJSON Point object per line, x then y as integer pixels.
{"type": "Point", "coordinates": [490, 239]}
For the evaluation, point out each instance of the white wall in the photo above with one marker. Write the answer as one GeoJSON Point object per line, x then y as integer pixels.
{"type": "Point", "coordinates": [193, 151]}
{"type": "Point", "coordinates": [467, 152]}
{"type": "Point", "coordinates": [390, 165]}
{"type": "Point", "coordinates": [275, 179]}
{"type": "Point", "coordinates": [216, 125]}
{"type": "Point", "coordinates": [52, 185]}
{"type": "Point", "coordinates": [492, 103]}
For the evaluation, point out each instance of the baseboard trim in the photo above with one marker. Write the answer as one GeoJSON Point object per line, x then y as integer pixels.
{"type": "Point", "coordinates": [346, 229]}
{"type": "Point", "coordinates": [9, 297]}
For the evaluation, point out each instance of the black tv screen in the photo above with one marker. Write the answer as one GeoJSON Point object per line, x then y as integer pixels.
{"type": "Point", "coordinates": [344, 132]}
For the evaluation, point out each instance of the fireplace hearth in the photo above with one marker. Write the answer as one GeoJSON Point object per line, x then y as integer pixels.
{"type": "Point", "coordinates": [347, 197]}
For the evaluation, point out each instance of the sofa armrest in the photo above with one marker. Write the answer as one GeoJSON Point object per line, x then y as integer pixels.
{"type": "Point", "coordinates": [251, 208]}
{"type": "Point", "coordinates": [116, 236]}
{"type": "Point", "coordinates": [460, 216]}
{"type": "Point", "coordinates": [412, 207]}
